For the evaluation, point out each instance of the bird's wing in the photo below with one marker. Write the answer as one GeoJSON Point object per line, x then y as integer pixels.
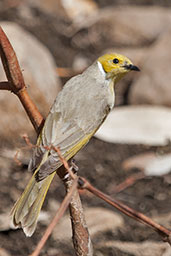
{"type": "Point", "coordinates": [37, 156]}
{"type": "Point", "coordinates": [71, 122]}
{"type": "Point", "coordinates": [47, 137]}
{"type": "Point", "coordinates": [70, 138]}
{"type": "Point", "coordinates": [75, 139]}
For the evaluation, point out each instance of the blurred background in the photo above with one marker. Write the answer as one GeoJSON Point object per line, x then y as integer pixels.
{"type": "Point", "coordinates": [130, 156]}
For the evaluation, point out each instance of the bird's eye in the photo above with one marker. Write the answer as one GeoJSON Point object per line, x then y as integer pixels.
{"type": "Point", "coordinates": [115, 61]}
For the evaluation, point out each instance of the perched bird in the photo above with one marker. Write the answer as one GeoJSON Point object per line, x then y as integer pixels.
{"type": "Point", "coordinates": [78, 111]}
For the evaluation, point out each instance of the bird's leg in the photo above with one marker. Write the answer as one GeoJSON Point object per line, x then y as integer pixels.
{"type": "Point", "coordinates": [73, 167]}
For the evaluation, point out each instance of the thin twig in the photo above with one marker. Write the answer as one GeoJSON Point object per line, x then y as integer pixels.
{"type": "Point", "coordinates": [164, 232]}
{"type": "Point", "coordinates": [67, 72]}
{"type": "Point", "coordinates": [29, 146]}
{"type": "Point", "coordinates": [55, 220]}
{"type": "Point", "coordinates": [18, 162]}
{"type": "Point", "coordinates": [65, 163]}
{"type": "Point", "coordinates": [28, 142]}
{"type": "Point", "coordinates": [128, 182]}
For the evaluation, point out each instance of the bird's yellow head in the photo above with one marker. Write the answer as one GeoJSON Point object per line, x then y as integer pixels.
{"type": "Point", "coordinates": [116, 65]}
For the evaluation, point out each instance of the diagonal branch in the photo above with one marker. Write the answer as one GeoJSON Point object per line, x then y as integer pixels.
{"type": "Point", "coordinates": [161, 230]}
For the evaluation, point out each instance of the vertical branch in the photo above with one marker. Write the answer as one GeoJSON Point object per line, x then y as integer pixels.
{"type": "Point", "coordinates": [81, 238]}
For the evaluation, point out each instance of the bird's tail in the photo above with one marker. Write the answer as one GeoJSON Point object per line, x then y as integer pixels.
{"type": "Point", "coordinates": [26, 210]}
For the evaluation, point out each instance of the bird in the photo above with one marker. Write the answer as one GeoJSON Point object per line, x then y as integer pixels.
{"type": "Point", "coordinates": [76, 114]}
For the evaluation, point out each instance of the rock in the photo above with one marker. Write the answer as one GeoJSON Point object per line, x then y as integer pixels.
{"type": "Point", "coordinates": [153, 85]}
{"type": "Point", "coordinates": [75, 10]}
{"type": "Point", "coordinates": [139, 161]}
{"type": "Point", "coordinates": [39, 71]}
{"type": "Point", "coordinates": [134, 32]}
{"type": "Point", "coordinates": [146, 125]}
{"type": "Point", "coordinates": [161, 165]}
{"type": "Point", "coordinates": [101, 219]}
{"type": "Point", "coordinates": [50, 7]}
{"type": "Point", "coordinates": [97, 219]}
{"type": "Point", "coordinates": [135, 249]}
{"type": "Point", "coordinates": [80, 63]}
{"type": "Point", "coordinates": [4, 252]}
{"type": "Point", "coordinates": [5, 222]}
{"type": "Point", "coordinates": [122, 27]}
{"type": "Point", "coordinates": [150, 163]}
{"type": "Point", "coordinates": [79, 10]}
{"type": "Point", "coordinates": [164, 219]}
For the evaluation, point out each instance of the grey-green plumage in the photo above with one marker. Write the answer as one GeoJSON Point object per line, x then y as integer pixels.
{"type": "Point", "coordinates": [78, 111]}
{"type": "Point", "coordinates": [73, 117]}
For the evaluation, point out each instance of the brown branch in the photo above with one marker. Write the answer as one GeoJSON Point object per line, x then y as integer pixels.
{"type": "Point", "coordinates": [16, 82]}
{"type": "Point", "coordinates": [67, 72]}
{"type": "Point", "coordinates": [81, 238]}
{"type": "Point", "coordinates": [10, 63]}
{"type": "Point", "coordinates": [32, 111]}
{"type": "Point", "coordinates": [16, 85]}
{"type": "Point", "coordinates": [5, 86]}
{"type": "Point", "coordinates": [65, 163]}
{"type": "Point", "coordinates": [164, 232]}
{"type": "Point", "coordinates": [128, 182]}
{"type": "Point", "coordinates": [57, 217]}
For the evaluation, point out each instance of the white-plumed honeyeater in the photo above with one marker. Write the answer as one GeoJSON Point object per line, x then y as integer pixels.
{"type": "Point", "coordinates": [78, 111]}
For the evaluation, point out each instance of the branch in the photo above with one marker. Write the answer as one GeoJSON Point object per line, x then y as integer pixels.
{"type": "Point", "coordinates": [55, 220]}
{"type": "Point", "coordinates": [10, 63]}
{"type": "Point", "coordinates": [128, 182]}
{"type": "Point", "coordinates": [68, 72]}
{"type": "Point", "coordinates": [81, 239]}
{"type": "Point", "coordinates": [161, 230]}
{"type": "Point", "coordinates": [5, 86]}
{"type": "Point", "coordinates": [16, 85]}
{"type": "Point", "coordinates": [16, 82]}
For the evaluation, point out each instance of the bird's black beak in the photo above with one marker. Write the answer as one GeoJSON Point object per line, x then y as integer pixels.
{"type": "Point", "coordinates": [131, 67]}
